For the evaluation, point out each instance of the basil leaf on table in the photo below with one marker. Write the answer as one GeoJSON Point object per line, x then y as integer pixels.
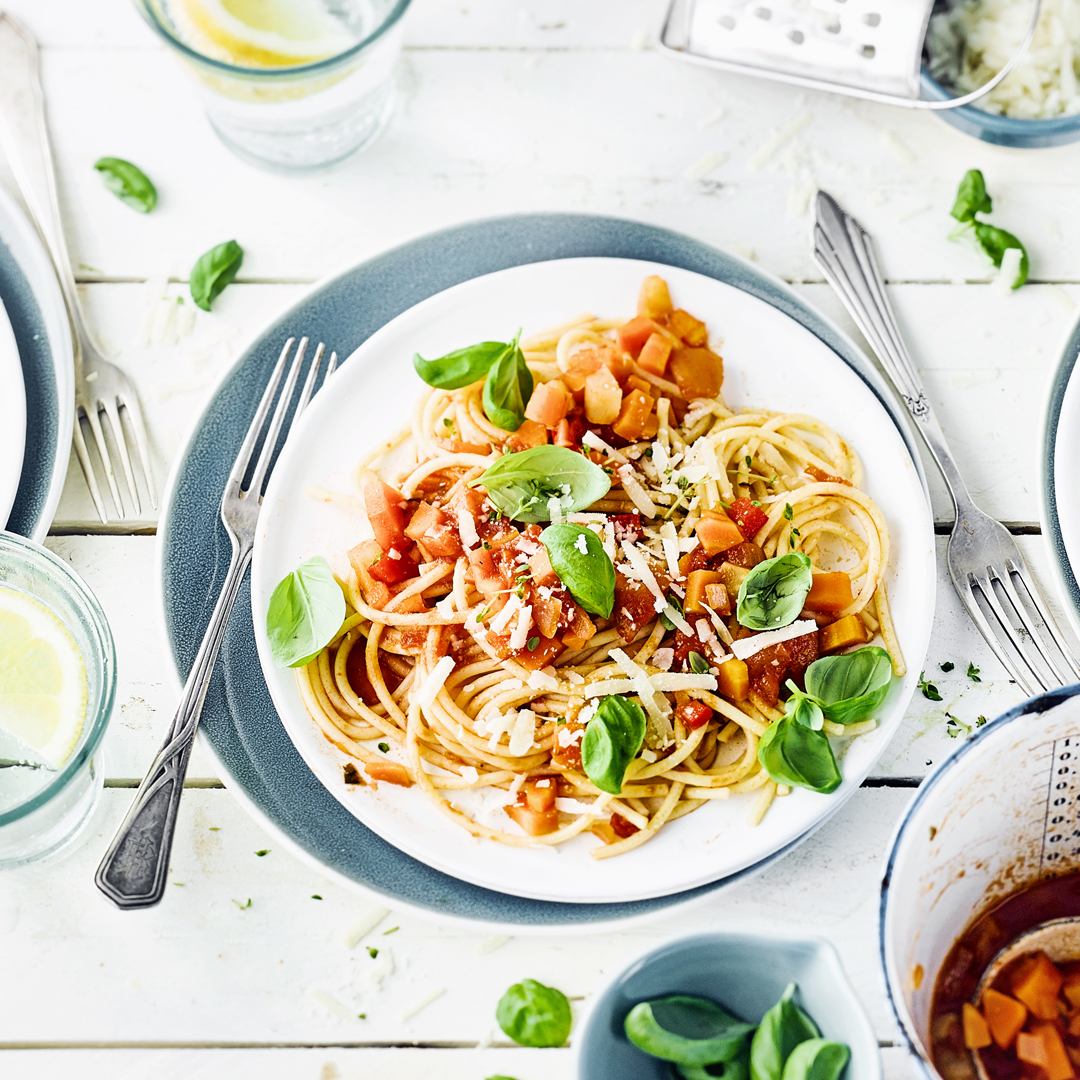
{"type": "Point", "coordinates": [971, 198]}
{"type": "Point", "coordinates": [817, 1059]}
{"type": "Point", "coordinates": [533, 1014]}
{"type": "Point", "coordinates": [508, 387]}
{"type": "Point", "coordinates": [781, 1029]}
{"type": "Point", "coordinates": [612, 740]}
{"type": "Point", "coordinates": [305, 611]}
{"type": "Point", "coordinates": [459, 368]}
{"type": "Point", "coordinates": [850, 687]}
{"type": "Point", "coordinates": [995, 242]}
{"type": "Point", "coordinates": [213, 271]}
{"type": "Point", "coordinates": [521, 484]}
{"type": "Point", "coordinates": [686, 1030]}
{"type": "Point", "coordinates": [589, 573]}
{"type": "Point", "coordinates": [799, 756]}
{"type": "Point", "coordinates": [128, 183]}
{"type": "Point", "coordinates": [773, 593]}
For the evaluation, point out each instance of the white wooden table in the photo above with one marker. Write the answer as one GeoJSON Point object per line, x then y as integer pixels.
{"type": "Point", "coordinates": [539, 105]}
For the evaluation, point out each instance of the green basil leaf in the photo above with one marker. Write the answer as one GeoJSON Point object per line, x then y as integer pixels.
{"type": "Point", "coordinates": [971, 198]}
{"type": "Point", "coordinates": [305, 611]}
{"type": "Point", "coordinates": [817, 1059]}
{"type": "Point", "coordinates": [612, 740]}
{"type": "Point", "coordinates": [686, 1030]}
{"type": "Point", "coordinates": [535, 1015]}
{"type": "Point", "coordinates": [781, 1029]}
{"type": "Point", "coordinates": [850, 687]}
{"type": "Point", "coordinates": [462, 367]}
{"type": "Point", "coordinates": [213, 271]}
{"type": "Point", "coordinates": [675, 604]}
{"type": "Point", "coordinates": [698, 664]}
{"type": "Point", "coordinates": [803, 709]}
{"type": "Point", "coordinates": [799, 756]}
{"type": "Point", "coordinates": [583, 566]}
{"type": "Point", "coordinates": [773, 593]}
{"type": "Point", "coordinates": [508, 387]}
{"type": "Point", "coordinates": [521, 484]}
{"type": "Point", "coordinates": [738, 1068]}
{"type": "Point", "coordinates": [995, 242]}
{"type": "Point", "coordinates": [128, 183]}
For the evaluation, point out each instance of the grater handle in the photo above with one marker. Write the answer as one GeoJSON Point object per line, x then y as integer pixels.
{"type": "Point", "coordinates": [845, 252]}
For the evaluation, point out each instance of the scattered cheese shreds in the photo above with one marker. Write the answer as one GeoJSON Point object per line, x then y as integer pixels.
{"type": "Point", "coordinates": [635, 492]}
{"type": "Point", "coordinates": [467, 529]}
{"type": "Point", "coordinates": [423, 1003]}
{"type": "Point", "coordinates": [489, 945]}
{"type": "Point", "coordinates": [434, 682]}
{"type": "Point", "coordinates": [502, 620]}
{"type": "Point", "coordinates": [521, 738]}
{"type": "Point", "coordinates": [364, 925]}
{"type": "Point", "coordinates": [745, 647]}
{"type": "Point", "coordinates": [520, 636]}
{"type": "Point", "coordinates": [331, 1004]}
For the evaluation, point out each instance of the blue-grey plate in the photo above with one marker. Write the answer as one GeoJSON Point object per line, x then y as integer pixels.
{"type": "Point", "coordinates": [239, 723]}
{"type": "Point", "coordinates": [31, 296]}
{"type": "Point", "coordinates": [1060, 486]}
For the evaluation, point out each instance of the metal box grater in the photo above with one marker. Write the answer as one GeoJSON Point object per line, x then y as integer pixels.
{"type": "Point", "coordinates": [869, 49]}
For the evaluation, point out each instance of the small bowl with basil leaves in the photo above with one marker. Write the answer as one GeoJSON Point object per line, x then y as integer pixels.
{"type": "Point", "coordinates": [731, 1003]}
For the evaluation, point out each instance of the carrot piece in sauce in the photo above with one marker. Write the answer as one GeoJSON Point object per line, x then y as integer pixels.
{"type": "Point", "coordinates": [976, 1031]}
{"type": "Point", "coordinates": [1037, 984]}
{"type": "Point", "coordinates": [1005, 1016]}
{"type": "Point", "coordinates": [830, 592]}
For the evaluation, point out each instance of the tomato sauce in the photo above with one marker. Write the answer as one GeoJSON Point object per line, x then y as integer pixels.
{"type": "Point", "coordinates": [958, 979]}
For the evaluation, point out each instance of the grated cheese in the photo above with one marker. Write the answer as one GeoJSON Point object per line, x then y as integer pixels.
{"type": "Point", "coordinates": [521, 738]}
{"type": "Point", "coordinates": [520, 637]}
{"type": "Point", "coordinates": [364, 926]}
{"type": "Point", "coordinates": [502, 620]}
{"type": "Point", "coordinates": [555, 510]}
{"type": "Point", "coordinates": [592, 440]}
{"type": "Point", "coordinates": [543, 680]}
{"type": "Point", "coordinates": [467, 529]}
{"type": "Point", "coordinates": [423, 1004]}
{"type": "Point", "coordinates": [635, 492]}
{"type": "Point", "coordinates": [643, 574]}
{"type": "Point", "coordinates": [331, 1004]}
{"type": "Point", "coordinates": [746, 647]}
{"type": "Point", "coordinates": [434, 682]}
{"type": "Point", "coordinates": [657, 706]}
{"type": "Point", "coordinates": [663, 659]}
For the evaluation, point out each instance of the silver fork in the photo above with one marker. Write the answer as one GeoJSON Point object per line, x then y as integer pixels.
{"type": "Point", "coordinates": [985, 564]}
{"type": "Point", "coordinates": [100, 386]}
{"type": "Point", "coordinates": [132, 873]}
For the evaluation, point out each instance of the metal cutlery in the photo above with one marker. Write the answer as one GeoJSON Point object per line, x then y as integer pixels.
{"type": "Point", "coordinates": [985, 563]}
{"type": "Point", "coordinates": [132, 874]}
{"type": "Point", "coordinates": [100, 386]}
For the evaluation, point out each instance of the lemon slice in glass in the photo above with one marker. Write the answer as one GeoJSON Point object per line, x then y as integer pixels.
{"type": "Point", "coordinates": [267, 33]}
{"type": "Point", "coordinates": [42, 678]}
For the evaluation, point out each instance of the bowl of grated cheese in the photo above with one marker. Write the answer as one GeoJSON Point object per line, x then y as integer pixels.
{"type": "Point", "coordinates": [1038, 104]}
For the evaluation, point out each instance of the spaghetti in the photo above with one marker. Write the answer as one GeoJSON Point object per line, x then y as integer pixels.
{"type": "Point", "coordinates": [467, 665]}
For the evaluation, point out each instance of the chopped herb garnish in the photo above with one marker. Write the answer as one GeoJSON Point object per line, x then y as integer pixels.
{"type": "Point", "coordinates": [973, 673]}
{"type": "Point", "coordinates": [755, 502]}
{"type": "Point", "coordinates": [980, 721]}
{"type": "Point", "coordinates": [262, 852]}
{"type": "Point", "coordinates": [243, 907]}
{"type": "Point", "coordinates": [493, 515]}
{"type": "Point", "coordinates": [372, 952]}
{"type": "Point", "coordinates": [698, 664]}
{"type": "Point", "coordinates": [788, 512]}
{"type": "Point", "coordinates": [361, 1016]}
{"type": "Point", "coordinates": [384, 747]}
{"type": "Point", "coordinates": [392, 930]}
{"type": "Point", "coordinates": [315, 896]}
{"type": "Point", "coordinates": [486, 546]}
{"type": "Point", "coordinates": [532, 643]}
{"type": "Point", "coordinates": [954, 726]}
{"type": "Point", "coordinates": [749, 461]}
{"type": "Point", "coordinates": [947, 666]}
{"type": "Point", "coordinates": [929, 690]}
{"type": "Point", "coordinates": [215, 828]}
{"type": "Point", "coordinates": [560, 720]}
{"type": "Point", "coordinates": [179, 884]}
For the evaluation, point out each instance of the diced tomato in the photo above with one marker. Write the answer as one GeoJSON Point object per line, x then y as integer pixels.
{"type": "Point", "coordinates": [362, 556]}
{"type": "Point", "coordinates": [527, 436]}
{"type": "Point", "coordinates": [535, 823]}
{"type": "Point", "coordinates": [633, 335]}
{"type": "Point", "coordinates": [747, 555]}
{"type": "Point", "coordinates": [436, 530]}
{"type": "Point", "coordinates": [627, 527]}
{"type": "Point", "coordinates": [654, 356]}
{"type": "Point", "coordinates": [390, 771]}
{"type": "Point", "coordinates": [384, 511]}
{"type": "Point", "coordinates": [717, 532]}
{"type": "Point", "coordinates": [550, 402]}
{"type": "Point", "coordinates": [621, 827]}
{"type": "Point", "coordinates": [767, 669]}
{"type": "Point", "coordinates": [393, 567]}
{"type": "Point", "coordinates": [747, 516]}
{"type": "Point", "coordinates": [356, 673]}
{"type": "Point", "coordinates": [540, 793]}
{"type": "Point", "coordinates": [486, 574]}
{"type": "Point", "coordinates": [802, 652]}
{"type": "Point", "coordinates": [694, 714]}
{"type": "Point", "coordinates": [634, 606]}
{"type": "Point", "coordinates": [822, 477]}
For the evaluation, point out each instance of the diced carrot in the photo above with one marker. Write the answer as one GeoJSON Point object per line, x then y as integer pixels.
{"type": "Point", "coordinates": [976, 1031]}
{"type": "Point", "coordinates": [830, 592]}
{"type": "Point", "coordinates": [698, 373]}
{"type": "Point", "coordinates": [654, 356]}
{"type": "Point", "coordinates": [546, 612]}
{"type": "Point", "coordinates": [534, 822]}
{"type": "Point", "coordinates": [839, 635]}
{"type": "Point", "coordinates": [550, 402]}
{"type": "Point", "coordinates": [540, 793]}
{"type": "Point", "coordinates": [717, 532]}
{"type": "Point", "coordinates": [390, 771]}
{"type": "Point", "coordinates": [527, 436]}
{"type": "Point", "coordinates": [1036, 984]}
{"type": "Point", "coordinates": [582, 628]}
{"type": "Point", "coordinates": [563, 436]}
{"type": "Point", "coordinates": [718, 598]}
{"type": "Point", "coordinates": [545, 652]}
{"type": "Point", "coordinates": [1031, 1049]}
{"type": "Point", "coordinates": [1005, 1016]}
{"type": "Point", "coordinates": [734, 679]}
{"type": "Point", "coordinates": [1074, 1020]}
{"type": "Point", "coordinates": [632, 336]}
{"type": "Point", "coordinates": [732, 576]}
{"type": "Point", "coordinates": [684, 325]}
{"type": "Point", "coordinates": [384, 510]}
{"type": "Point", "coordinates": [1058, 1066]}
{"type": "Point", "coordinates": [603, 397]}
{"type": "Point", "coordinates": [654, 299]}
{"type": "Point", "coordinates": [652, 426]}
{"type": "Point", "coordinates": [1070, 986]}
{"type": "Point", "coordinates": [695, 590]}
{"type": "Point", "coordinates": [635, 410]}
{"type": "Point", "coordinates": [636, 382]}
{"type": "Point", "coordinates": [486, 575]}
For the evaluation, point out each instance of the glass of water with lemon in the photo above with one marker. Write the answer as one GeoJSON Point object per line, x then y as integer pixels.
{"type": "Point", "coordinates": [57, 684]}
{"type": "Point", "coordinates": [288, 84]}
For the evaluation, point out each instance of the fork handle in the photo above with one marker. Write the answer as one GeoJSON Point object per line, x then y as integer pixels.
{"type": "Point", "coordinates": [132, 874]}
{"type": "Point", "coordinates": [845, 253]}
{"type": "Point", "coordinates": [25, 140]}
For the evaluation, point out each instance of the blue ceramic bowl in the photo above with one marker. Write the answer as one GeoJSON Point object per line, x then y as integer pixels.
{"type": "Point", "coordinates": [743, 971]}
{"type": "Point", "coordinates": [1003, 130]}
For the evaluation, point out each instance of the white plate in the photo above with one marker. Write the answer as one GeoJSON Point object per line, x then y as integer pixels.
{"type": "Point", "coordinates": [771, 361]}
{"type": "Point", "coordinates": [12, 416]}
